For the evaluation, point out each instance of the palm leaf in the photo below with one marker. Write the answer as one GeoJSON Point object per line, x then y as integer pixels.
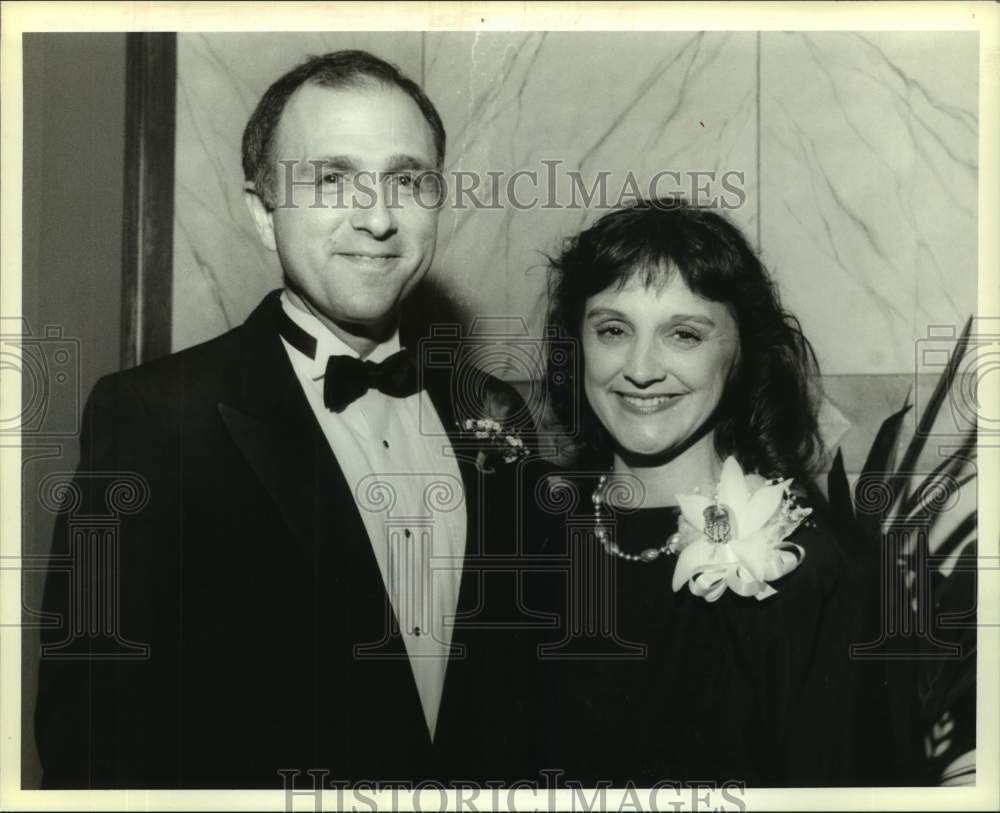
{"type": "Point", "coordinates": [930, 414]}
{"type": "Point", "coordinates": [913, 693]}
{"type": "Point", "coordinates": [946, 470]}
{"type": "Point", "coordinates": [877, 468]}
{"type": "Point", "coordinates": [950, 585]}
{"type": "Point", "coordinates": [951, 542]}
{"type": "Point", "coordinates": [944, 682]}
{"type": "Point", "coordinates": [964, 681]}
{"type": "Point", "coordinates": [930, 513]}
{"type": "Point", "coordinates": [839, 493]}
{"type": "Point", "coordinates": [882, 455]}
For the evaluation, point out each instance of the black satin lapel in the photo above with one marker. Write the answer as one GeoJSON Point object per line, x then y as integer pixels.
{"type": "Point", "coordinates": [277, 432]}
{"type": "Point", "coordinates": [295, 470]}
{"type": "Point", "coordinates": [274, 427]}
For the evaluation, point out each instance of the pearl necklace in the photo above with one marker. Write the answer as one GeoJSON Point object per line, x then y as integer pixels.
{"type": "Point", "coordinates": [647, 555]}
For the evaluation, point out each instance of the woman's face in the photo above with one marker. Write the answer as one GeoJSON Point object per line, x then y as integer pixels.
{"type": "Point", "coordinates": [656, 362]}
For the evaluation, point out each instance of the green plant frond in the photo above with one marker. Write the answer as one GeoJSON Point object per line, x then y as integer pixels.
{"type": "Point", "coordinates": [948, 585]}
{"type": "Point", "coordinates": [882, 455]}
{"type": "Point", "coordinates": [934, 403]}
{"type": "Point", "coordinates": [878, 468]}
{"type": "Point", "coordinates": [957, 536]}
{"type": "Point", "coordinates": [839, 491]}
{"type": "Point", "coordinates": [918, 548]}
{"type": "Point", "coordinates": [913, 692]}
{"type": "Point", "coordinates": [941, 690]}
{"type": "Point", "coordinates": [964, 681]}
{"type": "Point", "coordinates": [919, 503]}
{"type": "Point", "coordinates": [943, 683]}
{"type": "Point", "coordinates": [949, 467]}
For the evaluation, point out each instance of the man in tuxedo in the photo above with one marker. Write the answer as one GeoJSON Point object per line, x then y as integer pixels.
{"type": "Point", "coordinates": [308, 572]}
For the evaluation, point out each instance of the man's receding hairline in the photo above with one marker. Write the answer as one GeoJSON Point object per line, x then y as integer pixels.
{"type": "Point", "coordinates": [359, 85]}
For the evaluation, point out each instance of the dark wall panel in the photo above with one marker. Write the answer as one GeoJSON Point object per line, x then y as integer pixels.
{"type": "Point", "coordinates": [74, 148]}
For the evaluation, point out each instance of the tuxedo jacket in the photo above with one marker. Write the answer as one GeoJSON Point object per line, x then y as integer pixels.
{"type": "Point", "coordinates": [242, 625]}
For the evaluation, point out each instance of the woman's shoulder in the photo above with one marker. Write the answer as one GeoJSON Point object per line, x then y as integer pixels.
{"type": "Point", "coordinates": [823, 565]}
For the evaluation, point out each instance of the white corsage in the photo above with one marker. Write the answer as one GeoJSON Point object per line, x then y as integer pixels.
{"type": "Point", "coordinates": [738, 539]}
{"type": "Point", "coordinates": [504, 443]}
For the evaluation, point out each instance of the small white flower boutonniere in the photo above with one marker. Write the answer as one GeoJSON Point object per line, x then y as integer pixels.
{"type": "Point", "coordinates": [503, 443]}
{"type": "Point", "coordinates": [739, 538]}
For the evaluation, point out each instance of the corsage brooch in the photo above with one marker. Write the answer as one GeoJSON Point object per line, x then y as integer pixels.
{"type": "Point", "coordinates": [738, 538]}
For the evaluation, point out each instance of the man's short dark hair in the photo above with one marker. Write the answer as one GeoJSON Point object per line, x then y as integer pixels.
{"type": "Point", "coordinates": [338, 69]}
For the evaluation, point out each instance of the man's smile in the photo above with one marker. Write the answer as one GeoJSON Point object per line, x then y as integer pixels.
{"type": "Point", "coordinates": [366, 259]}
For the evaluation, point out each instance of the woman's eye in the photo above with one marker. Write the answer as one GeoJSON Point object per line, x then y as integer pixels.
{"type": "Point", "coordinates": [686, 335]}
{"type": "Point", "coordinates": [611, 333]}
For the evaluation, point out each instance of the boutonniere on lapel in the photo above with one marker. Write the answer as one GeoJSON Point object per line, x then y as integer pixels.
{"type": "Point", "coordinates": [738, 538]}
{"type": "Point", "coordinates": [499, 441]}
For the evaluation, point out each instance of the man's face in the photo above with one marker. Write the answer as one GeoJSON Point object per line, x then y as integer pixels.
{"type": "Point", "coordinates": [353, 236]}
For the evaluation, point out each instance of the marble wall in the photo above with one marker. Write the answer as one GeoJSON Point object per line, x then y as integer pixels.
{"type": "Point", "coordinates": [857, 154]}
{"type": "Point", "coordinates": [680, 101]}
{"type": "Point", "coordinates": [868, 160]}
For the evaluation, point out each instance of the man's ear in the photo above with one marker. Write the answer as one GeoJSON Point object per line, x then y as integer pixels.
{"type": "Point", "coordinates": [263, 218]}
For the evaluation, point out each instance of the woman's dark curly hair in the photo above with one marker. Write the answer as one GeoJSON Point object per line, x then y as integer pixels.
{"type": "Point", "coordinates": [767, 416]}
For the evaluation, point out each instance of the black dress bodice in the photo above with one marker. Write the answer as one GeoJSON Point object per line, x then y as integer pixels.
{"type": "Point", "coordinates": [645, 685]}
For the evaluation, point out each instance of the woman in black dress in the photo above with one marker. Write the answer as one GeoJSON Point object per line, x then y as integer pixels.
{"type": "Point", "coordinates": [703, 627]}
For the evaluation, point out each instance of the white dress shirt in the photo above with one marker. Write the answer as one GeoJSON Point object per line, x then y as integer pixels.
{"type": "Point", "coordinates": [417, 529]}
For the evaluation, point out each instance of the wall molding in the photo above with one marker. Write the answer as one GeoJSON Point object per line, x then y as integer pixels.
{"type": "Point", "coordinates": [147, 252]}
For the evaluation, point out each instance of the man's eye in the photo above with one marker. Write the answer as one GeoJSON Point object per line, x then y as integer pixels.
{"type": "Point", "coordinates": [402, 179]}
{"type": "Point", "coordinates": [334, 178]}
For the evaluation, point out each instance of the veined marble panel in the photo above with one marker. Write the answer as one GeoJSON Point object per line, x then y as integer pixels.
{"type": "Point", "coordinates": [867, 160]}
{"type": "Point", "coordinates": [869, 188]}
{"type": "Point", "coordinates": [221, 270]}
{"type": "Point", "coordinates": [614, 103]}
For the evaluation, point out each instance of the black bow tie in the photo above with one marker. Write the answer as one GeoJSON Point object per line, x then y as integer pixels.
{"type": "Point", "coordinates": [348, 378]}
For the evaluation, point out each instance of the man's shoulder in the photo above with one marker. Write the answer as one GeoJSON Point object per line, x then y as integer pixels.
{"type": "Point", "coordinates": [185, 372]}
{"type": "Point", "coordinates": [206, 355]}
{"type": "Point", "coordinates": [208, 371]}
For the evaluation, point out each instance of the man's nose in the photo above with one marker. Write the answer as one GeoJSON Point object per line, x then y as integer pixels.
{"type": "Point", "coordinates": [646, 363]}
{"type": "Point", "coordinates": [374, 216]}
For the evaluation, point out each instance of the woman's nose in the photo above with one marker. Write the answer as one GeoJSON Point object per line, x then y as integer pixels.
{"type": "Point", "coordinates": [645, 364]}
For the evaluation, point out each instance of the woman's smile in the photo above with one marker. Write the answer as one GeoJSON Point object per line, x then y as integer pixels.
{"type": "Point", "coordinates": [647, 403]}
